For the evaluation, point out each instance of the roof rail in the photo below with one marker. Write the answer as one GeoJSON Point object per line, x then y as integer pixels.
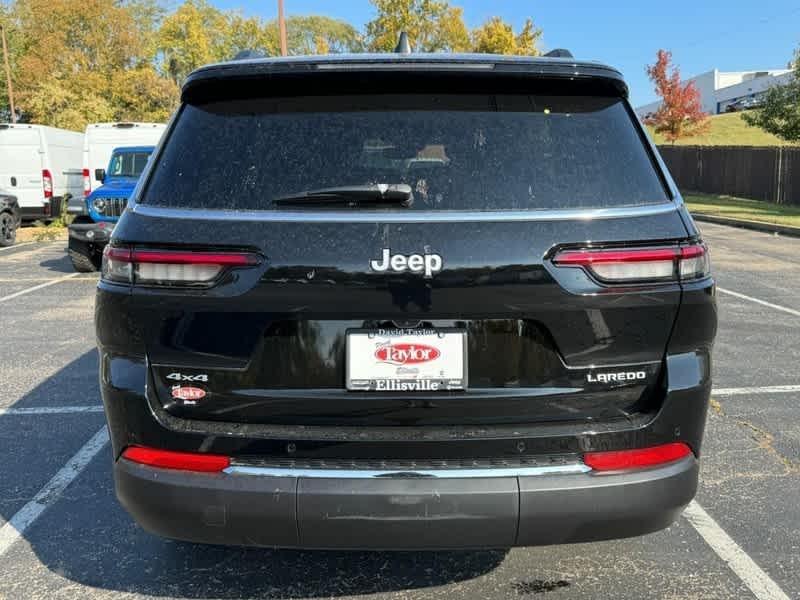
{"type": "Point", "coordinates": [403, 45]}
{"type": "Point", "coordinates": [559, 53]}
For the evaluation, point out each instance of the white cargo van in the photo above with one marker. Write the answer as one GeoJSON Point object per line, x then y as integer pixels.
{"type": "Point", "coordinates": [101, 139]}
{"type": "Point", "coordinates": [41, 166]}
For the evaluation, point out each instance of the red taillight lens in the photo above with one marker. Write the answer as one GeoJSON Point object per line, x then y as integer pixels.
{"type": "Point", "coordinates": [47, 183]}
{"type": "Point", "coordinates": [226, 259]}
{"type": "Point", "coordinates": [87, 183]}
{"type": "Point", "coordinates": [169, 459]}
{"type": "Point", "coordinates": [624, 265]}
{"type": "Point", "coordinates": [637, 458]}
{"type": "Point", "coordinates": [168, 267]}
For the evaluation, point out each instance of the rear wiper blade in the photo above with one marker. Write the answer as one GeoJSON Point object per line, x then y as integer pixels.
{"type": "Point", "coordinates": [352, 195]}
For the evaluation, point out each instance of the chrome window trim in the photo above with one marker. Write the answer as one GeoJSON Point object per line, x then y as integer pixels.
{"type": "Point", "coordinates": [419, 216]}
{"type": "Point", "coordinates": [457, 473]}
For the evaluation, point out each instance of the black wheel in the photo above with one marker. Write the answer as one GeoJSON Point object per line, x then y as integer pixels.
{"type": "Point", "coordinates": [8, 229]}
{"type": "Point", "coordinates": [82, 263]}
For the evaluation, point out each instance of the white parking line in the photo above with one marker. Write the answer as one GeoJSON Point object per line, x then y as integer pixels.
{"type": "Point", "coordinates": [15, 246]}
{"type": "Point", "coordinates": [13, 529]}
{"type": "Point", "coordinates": [35, 279]}
{"type": "Point", "coordinates": [37, 287]}
{"type": "Point", "coordinates": [791, 311]}
{"type": "Point", "coordinates": [51, 410]}
{"type": "Point", "coordinates": [767, 389]}
{"type": "Point", "coordinates": [729, 551]}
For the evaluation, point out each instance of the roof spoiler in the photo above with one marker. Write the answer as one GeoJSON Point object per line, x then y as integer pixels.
{"type": "Point", "coordinates": [248, 55]}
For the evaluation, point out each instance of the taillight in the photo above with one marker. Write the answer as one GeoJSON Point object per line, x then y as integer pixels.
{"type": "Point", "coordinates": [627, 265]}
{"type": "Point", "coordinates": [170, 267]}
{"type": "Point", "coordinates": [637, 458]}
{"type": "Point", "coordinates": [87, 183]}
{"type": "Point", "coordinates": [693, 262]}
{"type": "Point", "coordinates": [170, 459]}
{"type": "Point", "coordinates": [47, 183]}
{"type": "Point", "coordinates": [117, 265]}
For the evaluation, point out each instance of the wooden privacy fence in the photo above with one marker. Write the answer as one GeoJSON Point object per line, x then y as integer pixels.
{"type": "Point", "coordinates": [769, 173]}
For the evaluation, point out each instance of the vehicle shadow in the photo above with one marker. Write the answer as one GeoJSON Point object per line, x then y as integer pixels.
{"type": "Point", "coordinates": [61, 264]}
{"type": "Point", "coordinates": [87, 538]}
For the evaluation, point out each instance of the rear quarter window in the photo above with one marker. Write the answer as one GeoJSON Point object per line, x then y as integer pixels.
{"type": "Point", "coordinates": [457, 152]}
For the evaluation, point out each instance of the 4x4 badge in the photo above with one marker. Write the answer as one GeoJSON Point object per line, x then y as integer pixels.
{"type": "Point", "coordinates": [427, 263]}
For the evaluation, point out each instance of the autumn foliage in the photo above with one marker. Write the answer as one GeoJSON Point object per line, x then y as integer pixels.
{"type": "Point", "coordinates": [497, 37]}
{"type": "Point", "coordinates": [75, 62]}
{"type": "Point", "coordinates": [680, 114]}
{"type": "Point", "coordinates": [436, 26]}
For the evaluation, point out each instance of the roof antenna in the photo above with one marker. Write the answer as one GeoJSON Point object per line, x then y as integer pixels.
{"type": "Point", "coordinates": [559, 53]}
{"type": "Point", "coordinates": [403, 45]}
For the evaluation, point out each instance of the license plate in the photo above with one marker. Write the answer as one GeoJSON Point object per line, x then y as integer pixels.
{"type": "Point", "coordinates": [406, 360]}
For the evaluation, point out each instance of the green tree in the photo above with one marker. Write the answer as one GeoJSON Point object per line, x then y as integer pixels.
{"type": "Point", "coordinates": [527, 40]}
{"type": "Point", "coordinates": [497, 37]}
{"type": "Point", "coordinates": [71, 49]}
{"type": "Point", "coordinates": [248, 34]}
{"type": "Point", "coordinates": [147, 16]}
{"type": "Point", "coordinates": [313, 34]}
{"type": "Point", "coordinates": [780, 112]}
{"type": "Point", "coordinates": [494, 37]}
{"type": "Point", "coordinates": [432, 26]}
{"type": "Point", "coordinates": [320, 35]}
{"type": "Point", "coordinates": [58, 103]}
{"type": "Point", "coordinates": [75, 35]}
{"type": "Point", "coordinates": [17, 42]}
{"type": "Point", "coordinates": [74, 52]}
{"type": "Point", "coordinates": [142, 95]}
{"type": "Point", "coordinates": [194, 35]}
{"type": "Point", "coordinates": [197, 34]}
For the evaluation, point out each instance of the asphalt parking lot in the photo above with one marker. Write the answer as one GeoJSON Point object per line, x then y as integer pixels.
{"type": "Point", "coordinates": [63, 535]}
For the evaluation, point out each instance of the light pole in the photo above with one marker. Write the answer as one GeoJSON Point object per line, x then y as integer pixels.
{"type": "Point", "coordinates": [8, 75]}
{"type": "Point", "coordinates": [282, 28]}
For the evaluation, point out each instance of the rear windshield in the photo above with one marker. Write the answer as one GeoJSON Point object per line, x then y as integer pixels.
{"type": "Point", "coordinates": [456, 152]}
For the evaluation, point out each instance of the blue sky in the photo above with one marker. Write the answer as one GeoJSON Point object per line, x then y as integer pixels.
{"type": "Point", "coordinates": [732, 36]}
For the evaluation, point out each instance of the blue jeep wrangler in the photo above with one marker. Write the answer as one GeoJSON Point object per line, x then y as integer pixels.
{"type": "Point", "coordinates": [89, 232]}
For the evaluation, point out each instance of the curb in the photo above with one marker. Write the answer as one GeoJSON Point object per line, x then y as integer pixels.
{"type": "Point", "coordinates": [753, 225]}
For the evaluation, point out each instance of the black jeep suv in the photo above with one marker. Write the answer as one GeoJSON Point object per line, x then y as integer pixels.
{"type": "Point", "coordinates": [405, 301]}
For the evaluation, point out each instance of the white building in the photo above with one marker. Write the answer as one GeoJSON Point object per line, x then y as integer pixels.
{"type": "Point", "coordinates": [720, 89]}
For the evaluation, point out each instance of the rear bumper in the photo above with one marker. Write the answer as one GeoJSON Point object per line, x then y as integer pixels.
{"type": "Point", "coordinates": [90, 233]}
{"type": "Point", "coordinates": [400, 511]}
{"type": "Point", "coordinates": [48, 209]}
{"type": "Point", "coordinates": [77, 206]}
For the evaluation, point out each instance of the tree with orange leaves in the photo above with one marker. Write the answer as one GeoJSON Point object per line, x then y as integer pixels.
{"type": "Point", "coordinates": [680, 114]}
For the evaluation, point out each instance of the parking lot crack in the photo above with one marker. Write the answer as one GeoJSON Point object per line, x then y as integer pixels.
{"type": "Point", "coordinates": [764, 439]}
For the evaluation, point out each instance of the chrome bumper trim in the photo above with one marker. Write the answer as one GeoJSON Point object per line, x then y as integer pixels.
{"type": "Point", "coordinates": [462, 473]}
